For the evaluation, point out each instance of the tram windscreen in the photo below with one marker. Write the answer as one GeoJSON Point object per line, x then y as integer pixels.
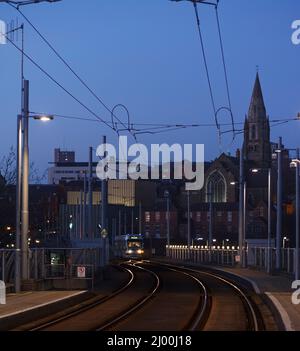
{"type": "Point", "coordinates": [135, 244]}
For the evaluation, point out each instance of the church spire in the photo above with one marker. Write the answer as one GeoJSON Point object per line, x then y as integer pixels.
{"type": "Point", "coordinates": [257, 147]}
{"type": "Point", "coordinates": [257, 109]}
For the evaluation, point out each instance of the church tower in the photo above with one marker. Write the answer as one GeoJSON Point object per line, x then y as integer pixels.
{"type": "Point", "coordinates": [257, 146]}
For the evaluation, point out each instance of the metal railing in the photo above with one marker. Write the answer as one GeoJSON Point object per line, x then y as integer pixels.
{"type": "Point", "coordinates": [258, 257]}
{"type": "Point", "coordinates": [196, 254]}
{"type": "Point", "coordinates": [57, 263]}
{"type": "Point", "coordinates": [7, 268]}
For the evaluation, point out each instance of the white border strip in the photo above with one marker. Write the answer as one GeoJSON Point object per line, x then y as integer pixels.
{"type": "Point", "coordinates": [284, 315]}
{"type": "Point", "coordinates": [41, 305]}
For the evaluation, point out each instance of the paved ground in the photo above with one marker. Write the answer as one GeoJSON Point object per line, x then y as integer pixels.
{"type": "Point", "coordinates": [277, 288]}
{"type": "Point", "coordinates": [27, 303]}
{"type": "Point", "coordinates": [18, 303]}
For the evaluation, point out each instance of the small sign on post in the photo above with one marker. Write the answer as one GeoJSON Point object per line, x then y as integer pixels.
{"type": "Point", "coordinates": [237, 258]}
{"type": "Point", "coordinates": [81, 272]}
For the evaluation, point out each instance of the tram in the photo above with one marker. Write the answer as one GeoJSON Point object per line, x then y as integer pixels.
{"type": "Point", "coordinates": [129, 246]}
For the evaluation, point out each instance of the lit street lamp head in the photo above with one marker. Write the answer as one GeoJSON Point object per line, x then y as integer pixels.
{"type": "Point", "coordinates": [255, 170]}
{"type": "Point", "coordinates": [45, 118]}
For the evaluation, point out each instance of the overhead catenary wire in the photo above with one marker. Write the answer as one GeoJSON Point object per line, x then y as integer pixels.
{"type": "Point", "coordinates": [224, 67]}
{"type": "Point", "coordinates": [206, 65]}
{"type": "Point", "coordinates": [64, 61]}
{"type": "Point", "coordinates": [156, 128]}
{"type": "Point", "coordinates": [128, 128]}
{"type": "Point", "coordinates": [59, 84]}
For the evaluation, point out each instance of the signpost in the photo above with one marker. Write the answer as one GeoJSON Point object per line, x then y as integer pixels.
{"type": "Point", "coordinates": [81, 272]}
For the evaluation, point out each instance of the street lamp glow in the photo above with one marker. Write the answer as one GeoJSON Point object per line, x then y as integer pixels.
{"type": "Point", "coordinates": [232, 183]}
{"type": "Point", "coordinates": [44, 118]}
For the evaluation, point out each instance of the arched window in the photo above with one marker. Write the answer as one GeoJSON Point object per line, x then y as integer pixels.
{"type": "Point", "coordinates": [216, 188]}
{"type": "Point", "coordinates": [253, 132]}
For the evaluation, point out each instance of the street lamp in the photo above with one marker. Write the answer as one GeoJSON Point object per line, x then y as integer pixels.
{"type": "Point", "coordinates": [43, 118]}
{"type": "Point", "coordinates": [242, 187]}
{"type": "Point", "coordinates": [255, 171]}
{"type": "Point", "coordinates": [22, 189]}
{"type": "Point", "coordinates": [167, 196]}
{"type": "Point", "coordinates": [295, 163]}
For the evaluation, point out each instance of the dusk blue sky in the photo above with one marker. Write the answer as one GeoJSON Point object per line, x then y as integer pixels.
{"type": "Point", "coordinates": [146, 55]}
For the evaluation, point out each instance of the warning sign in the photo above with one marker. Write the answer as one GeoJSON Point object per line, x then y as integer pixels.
{"type": "Point", "coordinates": [237, 258]}
{"type": "Point", "coordinates": [81, 272]}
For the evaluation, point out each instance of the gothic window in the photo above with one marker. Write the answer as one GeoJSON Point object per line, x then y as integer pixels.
{"type": "Point", "coordinates": [216, 188]}
{"type": "Point", "coordinates": [251, 199]}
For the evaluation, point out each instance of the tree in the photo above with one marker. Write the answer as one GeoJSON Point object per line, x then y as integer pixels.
{"type": "Point", "coordinates": [8, 169]}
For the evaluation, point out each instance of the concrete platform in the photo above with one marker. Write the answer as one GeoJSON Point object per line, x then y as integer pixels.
{"type": "Point", "coordinates": [24, 302]}
{"type": "Point", "coordinates": [27, 307]}
{"type": "Point", "coordinates": [276, 288]}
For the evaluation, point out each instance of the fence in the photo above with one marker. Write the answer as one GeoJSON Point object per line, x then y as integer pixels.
{"type": "Point", "coordinates": [45, 264]}
{"type": "Point", "coordinates": [7, 268]}
{"type": "Point", "coordinates": [258, 258]}
{"type": "Point", "coordinates": [196, 254]}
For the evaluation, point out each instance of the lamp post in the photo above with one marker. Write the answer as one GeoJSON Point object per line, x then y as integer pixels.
{"type": "Point", "coordinates": [279, 206]}
{"type": "Point", "coordinates": [269, 249]}
{"type": "Point", "coordinates": [242, 208]}
{"type": "Point", "coordinates": [167, 196]}
{"type": "Point", "coordinates": [22, 189]}
{"type": "Point", "coordinates": [189, 219]}
{"type": "Point", "coordinates": [296, 163]}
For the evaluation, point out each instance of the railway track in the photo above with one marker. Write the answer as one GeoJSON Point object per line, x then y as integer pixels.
{"type": "Point", "coordinates": [170, 310]}
{"type": "Point", "coordinates": [252, 314]}
{"type": "Point", "coordinates": [162, 297]}
{"type": "Point", "coordinates": [108, 309]}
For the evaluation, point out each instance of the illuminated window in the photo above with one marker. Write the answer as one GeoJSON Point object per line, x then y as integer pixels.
{"type": "Point", "coordinates": [229, 217]}
{"type": "Point", "coordinates": [147, 217]}
{"type": "Point", "coordinates": [157, 216]}
{"type": "Point", "coordinates": [216, 188]}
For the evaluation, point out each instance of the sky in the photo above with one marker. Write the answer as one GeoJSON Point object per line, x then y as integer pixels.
{"type": "Point", "coordinates": [146, 55]}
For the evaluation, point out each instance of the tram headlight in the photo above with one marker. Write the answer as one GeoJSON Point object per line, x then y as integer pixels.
{"type": "Point", "coordinates": [140, 252]}
{"type": "Point", "coordinates": [129, 252]}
